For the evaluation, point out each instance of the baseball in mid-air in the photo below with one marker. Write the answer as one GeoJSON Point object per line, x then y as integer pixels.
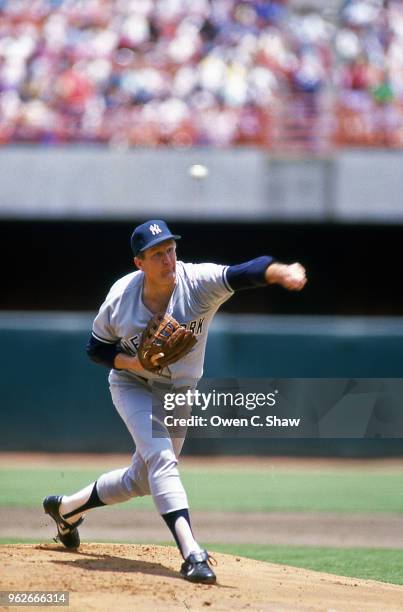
{"type": "Point", "coordinates": [198, 171]}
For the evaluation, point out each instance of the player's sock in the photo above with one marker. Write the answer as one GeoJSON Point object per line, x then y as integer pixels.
{"type": "Point", "coordinates": [179, 524]}
{"type": "Point", "coordinates": [73, 506]}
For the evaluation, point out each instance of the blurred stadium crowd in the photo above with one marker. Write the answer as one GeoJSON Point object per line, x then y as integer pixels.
{"type": "Point", "coordinates": [201, 72]}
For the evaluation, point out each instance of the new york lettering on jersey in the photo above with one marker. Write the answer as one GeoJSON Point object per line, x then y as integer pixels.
{"type": "Point", "coordinates": [199, 291]}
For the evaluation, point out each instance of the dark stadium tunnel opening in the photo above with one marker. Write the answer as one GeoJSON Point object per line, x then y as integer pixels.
{"type": "Point", "coordinates": [67, 265]}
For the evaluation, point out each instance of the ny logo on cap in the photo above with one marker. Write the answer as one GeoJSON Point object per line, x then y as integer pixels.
{"type": "Point", "coordinates": [155, 229]}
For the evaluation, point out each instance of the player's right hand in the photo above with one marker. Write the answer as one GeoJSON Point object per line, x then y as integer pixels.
{"type": "Point", "coordinates": [294, 277]}
{"type": "Point", "coordinates": [291, 277]}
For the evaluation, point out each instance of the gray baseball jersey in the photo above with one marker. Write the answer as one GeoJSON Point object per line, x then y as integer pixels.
{"type": "Point", "coordinates": [199, 291]}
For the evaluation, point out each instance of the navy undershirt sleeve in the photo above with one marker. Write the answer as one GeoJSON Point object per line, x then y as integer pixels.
{"type": "Point", "coordinates": [102, 353]}
{"type": "Point", "coordinates": [249, 274]}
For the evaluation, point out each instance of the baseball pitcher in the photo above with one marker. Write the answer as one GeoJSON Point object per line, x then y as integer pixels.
{"type": "Point", "coordinates": [151, 331]}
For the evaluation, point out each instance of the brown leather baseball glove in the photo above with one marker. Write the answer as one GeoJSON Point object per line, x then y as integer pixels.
{"type": "Point", "coordinates": [164, 337]}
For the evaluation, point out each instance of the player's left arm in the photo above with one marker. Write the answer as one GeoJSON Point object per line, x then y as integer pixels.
{"type": "Point", "coordinates": [264, 271]}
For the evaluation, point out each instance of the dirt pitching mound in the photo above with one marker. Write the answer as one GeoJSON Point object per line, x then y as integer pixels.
{"type": "Point", "coordinates": [144, 578]}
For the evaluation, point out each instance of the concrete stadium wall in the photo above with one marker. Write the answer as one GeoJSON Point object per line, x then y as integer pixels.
{"type": "Point", "coordinates": [83, 182]}
{"type": "Point", "coordinates": [54, 399]}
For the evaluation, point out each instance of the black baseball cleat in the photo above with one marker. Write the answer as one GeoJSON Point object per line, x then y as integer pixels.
{"type": "Point", "coordinates": [67, 533]}
{"type": "Point", "coordinates": [196, 568]}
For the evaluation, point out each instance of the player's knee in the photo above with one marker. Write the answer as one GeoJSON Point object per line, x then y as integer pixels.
{"type": "Point", "coordinates": [136, 484]}
{"type": "Point", "coordinates": [161, 463]}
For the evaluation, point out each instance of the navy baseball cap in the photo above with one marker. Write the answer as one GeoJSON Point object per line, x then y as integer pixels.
{"type": "Point", "coordinates": [149, 234]}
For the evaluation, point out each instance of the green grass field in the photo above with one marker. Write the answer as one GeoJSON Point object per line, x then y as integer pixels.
{"type": "Point", "coordinates": [366, 563]}
{"type": "Point", "coordinates": [265, 491]}
{"type": "Point", "coordinates": [255, 490]}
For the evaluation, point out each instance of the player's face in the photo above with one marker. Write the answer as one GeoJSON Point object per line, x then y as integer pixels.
{"type": "Point", "coordinates": [159, 263]}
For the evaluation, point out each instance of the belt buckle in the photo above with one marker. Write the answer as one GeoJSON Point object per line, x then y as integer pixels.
{"type": "Point", "coordinates": [159, 384]}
